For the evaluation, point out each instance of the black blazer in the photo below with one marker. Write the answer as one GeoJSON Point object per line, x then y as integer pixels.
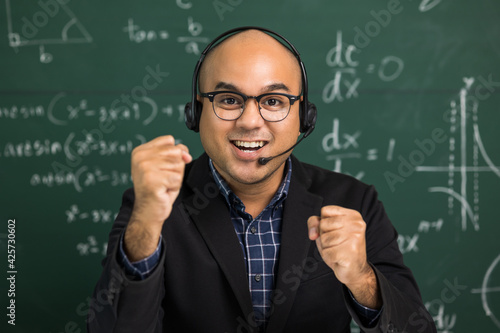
{"type": "Point", "coordinates": [200, 284]}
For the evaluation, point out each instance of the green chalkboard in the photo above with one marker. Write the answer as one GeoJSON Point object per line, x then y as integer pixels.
{"type": "Point", "coordinates": [408, 94]}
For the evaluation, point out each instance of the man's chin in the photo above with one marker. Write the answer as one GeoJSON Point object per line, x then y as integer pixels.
{"type": "Point", "coordinates": [257, 177]}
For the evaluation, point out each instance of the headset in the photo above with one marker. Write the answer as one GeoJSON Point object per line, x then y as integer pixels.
{"type": "Point", "coordinates": [307, 113]}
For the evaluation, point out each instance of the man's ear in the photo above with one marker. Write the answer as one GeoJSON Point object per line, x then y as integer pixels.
{"type": "Point", "coordinates": [199, 98]}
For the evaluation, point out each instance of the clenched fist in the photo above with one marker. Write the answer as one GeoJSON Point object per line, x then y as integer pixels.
{"type": "Point", "coordinates": [340, 237]}
{"type": "Point", "coordinates": [157, 174]}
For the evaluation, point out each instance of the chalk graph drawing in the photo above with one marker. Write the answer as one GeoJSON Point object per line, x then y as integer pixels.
{"type": "Point", "coordinates": [427, 5]}
{"type": "Point", "coordinates": [464, 143]}
{"type": "Point", "coordinates": [50, 23]}
{"type": "Point", "coordinates": [490, 289]}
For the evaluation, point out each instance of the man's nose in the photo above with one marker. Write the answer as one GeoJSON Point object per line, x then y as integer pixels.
{"type": "Point", "coordinates": [251, 117]}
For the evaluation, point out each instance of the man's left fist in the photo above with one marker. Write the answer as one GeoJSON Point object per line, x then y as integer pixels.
{"type": "Point", "coordinates": [340, 237]}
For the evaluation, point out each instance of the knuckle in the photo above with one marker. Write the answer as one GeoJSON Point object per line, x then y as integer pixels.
{"type": "Point", "coordinates": [138, 154]}
{"type": "Point", "coordinates": [169, 139]}
{"type": "Point", "coordinates": [332, 210]}
{"type": "Point", "coordinates": [183, 147]}
{"type": "Point", "coordinates": [361, 225]}
{"type": "Point", "coordinates": [323, 226]}
{"type": "Point", "coordinates": [175, 178]}
{"type": "Point", "coordinates": [312, 221]}
{"type": "Point", "coordinates": [173, 152]}
{"type": "Point", "coordinates": [136, 151]}
{"type": "Point", "coordinates": [142, 164]}
{"type": "Point", "coordinates": [326, 210]}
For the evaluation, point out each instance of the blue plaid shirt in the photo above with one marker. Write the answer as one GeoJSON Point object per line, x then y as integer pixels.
{"type": "Point", "coordinates": [260, 240]}
{"type": "Point", "coordinates": [139, 270]}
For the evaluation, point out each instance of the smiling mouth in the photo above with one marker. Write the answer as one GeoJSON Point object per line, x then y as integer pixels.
{"type": "Point", "coordinates": [249, 146]}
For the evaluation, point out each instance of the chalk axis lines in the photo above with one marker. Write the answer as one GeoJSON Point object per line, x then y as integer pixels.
{"type": "Point", "coordinates": [458, 126]}
{"type": "Point", "coordinates": [485, 290]}
{"type": "Point", "coordinates": [17, 40]}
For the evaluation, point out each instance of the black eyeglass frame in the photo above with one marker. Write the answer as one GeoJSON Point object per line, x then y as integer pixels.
{"type": "Point", "coordinates": [211, 95]}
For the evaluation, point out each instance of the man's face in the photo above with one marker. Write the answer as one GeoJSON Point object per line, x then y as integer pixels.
{"type": "Point", "coordinates": [251, 63]}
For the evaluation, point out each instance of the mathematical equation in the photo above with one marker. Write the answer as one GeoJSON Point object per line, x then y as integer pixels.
{"type": "Point", "coordinates": [74, 214]}
{"type": "Point", "coordinates": [444, 321]}
{"type": "Point", "coordinates": [91, 247]}
{"type": "Point", "coordinates": [345, 82]}
{"type": "Point", "coordinates": [60, 112]}
{"type": "Point", "coordinates": [71, 147]}
{"type": "Point", "coordinates": [409, 243]}
{"type": "Point", "coordinates": [192, 42]}
{"type": "Point", "coordinates": [82, 178]}
{"type": "Point", "coordinates": [23, 29]}
{"type": "Point", "coordinates": [437, 308]}
{"type": "Point", "coordinates": [346, 146]}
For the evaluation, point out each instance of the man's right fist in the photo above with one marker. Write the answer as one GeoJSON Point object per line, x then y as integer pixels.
{"type": "Point", "coordinates": [157, 174]}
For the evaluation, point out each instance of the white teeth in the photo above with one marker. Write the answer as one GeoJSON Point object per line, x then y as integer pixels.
{"type": "Point", "coordinates": [246, 144]}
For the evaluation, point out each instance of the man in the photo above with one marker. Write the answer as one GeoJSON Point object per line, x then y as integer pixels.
{"type": "Point", "coordinates": [229, 243]}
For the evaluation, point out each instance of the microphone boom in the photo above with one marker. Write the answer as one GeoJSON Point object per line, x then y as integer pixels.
{"type": "Point", "coordinates": [265, 160]}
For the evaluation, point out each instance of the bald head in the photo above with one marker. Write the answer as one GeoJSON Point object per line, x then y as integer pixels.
{"type": "Point", "coordinates": [247, 48]}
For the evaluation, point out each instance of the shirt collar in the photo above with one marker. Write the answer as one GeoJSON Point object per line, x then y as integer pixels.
{"type": "Point", "coordinates": [235, 202]}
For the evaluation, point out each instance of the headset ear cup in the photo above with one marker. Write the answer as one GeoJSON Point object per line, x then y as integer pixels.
{"type": "Point", "coordinates": [192, 115]}
{"type": "Point", "coordinates": [312, 114]}
{"type": "Point", "coordinates": [197, 114]}
{"type": "Point", "coordinates": [303, 117]}
{"type": "Point", "coordinates": [308, 118]}
{"type": "Point", "coordinates": [188, 116]}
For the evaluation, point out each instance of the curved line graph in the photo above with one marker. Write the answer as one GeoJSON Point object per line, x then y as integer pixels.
{"type": "Point", "coordinates": [477, 136]}
{"type": "Point", "coordinates": [484, 290]}
{"type": "Point", "coordinates": [461, 199]}
{"type": "Point", "coordinates": [465, 144]}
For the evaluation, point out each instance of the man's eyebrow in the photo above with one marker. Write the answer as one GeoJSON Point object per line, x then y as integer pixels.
{"type": "Point", "coordinates": [225, 86]}
{"type": "Point", "coordinates": [276, 86]}
{"type": "Point", "coordinates": [272, 87]}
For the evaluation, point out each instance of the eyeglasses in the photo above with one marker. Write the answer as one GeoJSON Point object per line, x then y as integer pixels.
{"type": "Point", "coordinates": [229, 105]}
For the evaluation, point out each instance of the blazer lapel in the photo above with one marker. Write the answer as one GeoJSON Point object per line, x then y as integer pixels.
{"type": "Point", "coordinates": [208, 210]}
{"type": "Point", "coordinates": [299, 206]}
